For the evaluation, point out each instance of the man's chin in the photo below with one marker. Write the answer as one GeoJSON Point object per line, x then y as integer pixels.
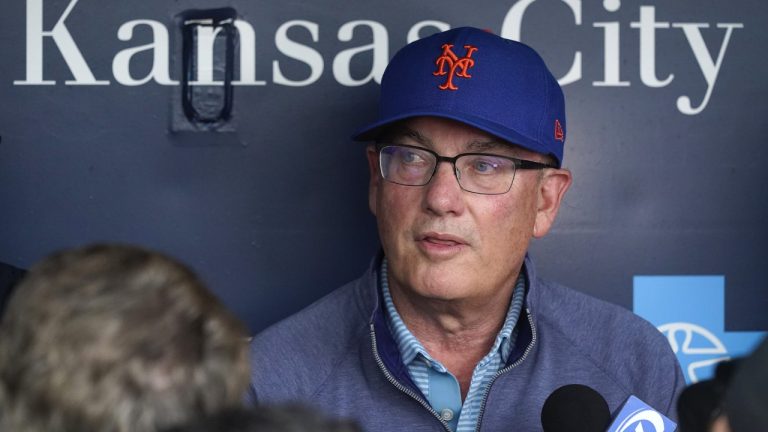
{"type": "Point", "coordinates": [442, 280]}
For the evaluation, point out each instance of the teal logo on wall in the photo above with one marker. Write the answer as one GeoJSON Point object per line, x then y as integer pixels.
{"type": "Point", "coordinates": [690, 312]}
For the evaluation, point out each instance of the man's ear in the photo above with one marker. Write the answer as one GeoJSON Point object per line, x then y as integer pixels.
{"type": "Point", "coordinates": [552, 187]}
{"type": "Point", "coordinates": [375, 177]}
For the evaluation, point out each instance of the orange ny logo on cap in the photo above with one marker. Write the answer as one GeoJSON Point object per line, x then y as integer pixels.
{"type": "Point", "coordinates": [456, 66]}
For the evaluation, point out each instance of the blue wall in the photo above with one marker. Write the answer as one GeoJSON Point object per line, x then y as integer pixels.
{"type": "Point", "coordinates": [666, 140]}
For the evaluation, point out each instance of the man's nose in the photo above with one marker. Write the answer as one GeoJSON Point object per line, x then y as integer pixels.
{"type": "Point", "coordinates": [443, 194]}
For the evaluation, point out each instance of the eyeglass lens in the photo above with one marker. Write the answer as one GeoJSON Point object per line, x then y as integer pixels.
{"type": "Point", "coordinates": [479, 173]}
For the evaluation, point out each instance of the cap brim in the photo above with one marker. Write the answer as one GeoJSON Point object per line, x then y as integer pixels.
{"type": "Point", "coordinates": [372, 131]}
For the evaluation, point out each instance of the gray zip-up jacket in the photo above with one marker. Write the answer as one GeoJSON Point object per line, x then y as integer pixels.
{"type": "Point", "coordinates": [337, 355]}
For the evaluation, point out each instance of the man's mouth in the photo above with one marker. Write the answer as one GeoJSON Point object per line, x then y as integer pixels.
{"type": "Point", "coordinates": [440, 239]}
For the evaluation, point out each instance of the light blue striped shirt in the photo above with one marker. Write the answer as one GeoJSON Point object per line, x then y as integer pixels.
{"type": "Point", "coordinates": [437, 384]}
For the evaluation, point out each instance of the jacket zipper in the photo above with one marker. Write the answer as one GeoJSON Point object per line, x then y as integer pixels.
{"type": "Point", "coordinates": [505, 370]}
{"type": "Point", "coordinates": [401, 387]}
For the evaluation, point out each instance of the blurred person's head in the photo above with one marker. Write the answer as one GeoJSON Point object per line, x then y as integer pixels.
{"type": "Point", "coordinates": [701, 402]}
{"type": "Point", "coordinates": [288, 418]}
{"type": "Point", "coordinates": [746, 399]}
{"type": "Point", "coordinates": [116, 338]}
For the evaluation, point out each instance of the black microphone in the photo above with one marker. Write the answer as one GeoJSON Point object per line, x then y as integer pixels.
{"type": "Point", "coordinates": [575, 408]}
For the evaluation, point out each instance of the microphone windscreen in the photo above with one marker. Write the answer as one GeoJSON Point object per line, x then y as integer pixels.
{"type": "Point", "coordinates": [575, 408]}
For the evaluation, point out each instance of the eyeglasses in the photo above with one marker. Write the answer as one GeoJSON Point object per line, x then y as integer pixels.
{"type": "Point", "coordinates": [479, 173]}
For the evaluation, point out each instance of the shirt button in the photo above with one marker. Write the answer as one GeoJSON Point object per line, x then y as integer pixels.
{"type": "Point", "coordinates": [446, 415]}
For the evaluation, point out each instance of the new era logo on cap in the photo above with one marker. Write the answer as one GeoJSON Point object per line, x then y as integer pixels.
{"type": "Point", "coordinates": [559, 135]}
{"type": "Point", "coordinates": [456, 66]}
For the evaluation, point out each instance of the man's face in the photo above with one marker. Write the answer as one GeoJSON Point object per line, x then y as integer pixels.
{"type": "Point", "coordinates": [442, 242]}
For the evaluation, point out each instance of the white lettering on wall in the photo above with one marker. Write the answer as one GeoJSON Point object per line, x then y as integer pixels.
{"type": "Point", "coordinates": [648, 26]}
{"type": "Point", "coordinates": [247, 55]}
{"type": "Point", "coordinates": [511, 29]}
{"type": "Point", "coordinates": [64, 42]}
{"type": "Point", "coordinates": [379, 47]}
{"type": "Point", "coordinates": [611, 44]}
{"type": "Point", "coordinates": [121, 64]}
{"type": "Point", "coordinates": [206, 36]}
{"type": "Point", "coordinates": [299, 52]}
{"type": "Point", "coordinates": [708, 68]}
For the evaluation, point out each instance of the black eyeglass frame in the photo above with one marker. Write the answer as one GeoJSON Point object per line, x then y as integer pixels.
{"type": "Point", "coordinates": [518, 163]}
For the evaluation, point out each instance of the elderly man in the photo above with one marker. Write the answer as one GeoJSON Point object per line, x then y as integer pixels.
{"type": "Point", "coordinates": [451, 328]}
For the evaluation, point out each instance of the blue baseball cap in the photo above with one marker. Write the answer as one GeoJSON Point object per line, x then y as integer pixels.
{"type": "Point", "coordinates": [472, 76]}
